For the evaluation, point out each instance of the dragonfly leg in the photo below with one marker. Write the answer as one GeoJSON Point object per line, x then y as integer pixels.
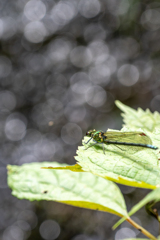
{"type": "Point", "coordinates": [88, 141]}
{"type": "Point", "coordinates": [103, 149]}
{"type": "Point", "coordinates": [104, 138]}
{"type": "Point", "coordinates": [91, 145]}
{"type": "Point", "coordinates": [119, 147]}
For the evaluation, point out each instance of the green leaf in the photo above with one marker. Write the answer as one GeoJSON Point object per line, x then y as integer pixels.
{"type": "Point", "coordinates": [152, 196]}
{"type": "Point", "coordinates": [139, 119]}
{"type": "Point", "coordinates": [138, 168]}
{"type": "Point", "coordinates": [85, 190]}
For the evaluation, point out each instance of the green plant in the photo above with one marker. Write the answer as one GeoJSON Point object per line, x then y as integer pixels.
{"type": "Point", "coordinates": [90, 183]}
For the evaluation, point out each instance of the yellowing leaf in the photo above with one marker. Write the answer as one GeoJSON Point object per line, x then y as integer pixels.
{"type": "Point", "coordinates": [79, 189]}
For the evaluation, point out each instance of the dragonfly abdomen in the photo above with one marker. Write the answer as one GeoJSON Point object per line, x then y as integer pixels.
{"type": "Point", "coordinates": [131, 144]}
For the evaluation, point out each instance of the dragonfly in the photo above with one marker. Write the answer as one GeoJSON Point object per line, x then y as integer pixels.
{"type": "Point", "coordinates": [136, 139]}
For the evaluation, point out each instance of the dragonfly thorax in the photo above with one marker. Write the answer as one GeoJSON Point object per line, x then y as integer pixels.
{"type": "Point", "coordinates": [97, 136]}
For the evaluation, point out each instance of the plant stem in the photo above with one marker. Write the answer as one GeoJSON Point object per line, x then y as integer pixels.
{"type": "Point", "coordinates": [141, 229]}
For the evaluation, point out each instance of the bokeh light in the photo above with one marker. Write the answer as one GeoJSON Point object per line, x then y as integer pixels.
{"type": "Point", "coordinates": [81, 57]}
{"type": "Point", "coordinates": [35, 32]}
{"type": "Point", "coordinates": [125, 233]}
{"type": "Point", "coordinates": [12, 233]}
{"type": "Point", "coordinates": [96, 96]}
{"type": "Point", "coordinates": [128, 74]}
{"type": "Point", "coordinates": [89, 8]}
{"type": "Point", "coordinates": [49, 229]}
{"type": "Point", "coordinates": [71, 133]}
{"type": "Point", "coordinates": [63, 12]}
{"type": "Point", "coordinates": [35, 10]}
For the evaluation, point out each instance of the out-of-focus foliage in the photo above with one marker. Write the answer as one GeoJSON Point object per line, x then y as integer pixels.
{"type": "Point", "coordinates": [151, 199]}
{"type": "Point", "coordinates": [62, 65]}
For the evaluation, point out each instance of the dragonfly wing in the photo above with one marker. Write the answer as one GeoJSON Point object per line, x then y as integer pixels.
{"type": "Point", "coordinates": [128, 137]}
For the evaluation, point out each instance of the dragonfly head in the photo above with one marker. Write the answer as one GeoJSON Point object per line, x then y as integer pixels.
{"type": "Point", "coordinates": [90, 133]}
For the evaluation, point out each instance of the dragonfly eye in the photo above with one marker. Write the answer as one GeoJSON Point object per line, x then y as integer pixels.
{"type": "Point", "coordinates": [87, 133]}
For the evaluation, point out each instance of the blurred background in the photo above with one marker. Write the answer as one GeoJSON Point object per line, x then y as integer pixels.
{"type": "Point", "coordinates": [62, 66]}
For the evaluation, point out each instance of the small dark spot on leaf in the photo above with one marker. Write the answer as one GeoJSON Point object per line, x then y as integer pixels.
{"type": "Point", "coordinates": [45, 191]}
